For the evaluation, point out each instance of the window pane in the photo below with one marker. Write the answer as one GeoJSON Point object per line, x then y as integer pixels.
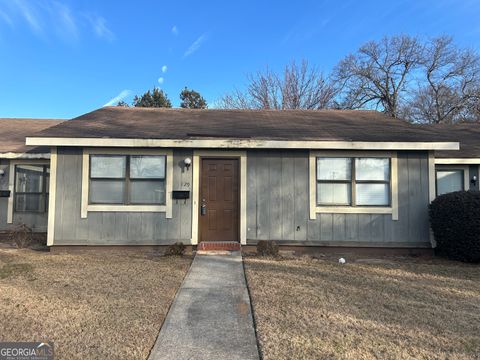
{"type": "Point", "coordinates": [107, 192]}
{"type": "Point", "coordinates": [147, 192]}
{"type": "Point", "coordinates": [29, 202]}
{"type": "Point", "coordinates": [372, 169]}
{"type": "Point", "coordinates": [449, 181]}
{"type": "Point", "coordinates": [147, 167]}
{"type": "Point", "coordinates": [104, 166]}
{"type": "Point", "coordinates": [29, 178]}
{"type": "Point", "coordinates": [333, 194]}
{"type": "Point", "coordinates": [372, 194]}
{"type": "Point", "coordinates": [333, 169]}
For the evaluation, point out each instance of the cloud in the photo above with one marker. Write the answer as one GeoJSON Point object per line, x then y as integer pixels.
{"type": "Point", "coordinates": [175, 30]}
{"type": "Point", "coordinates": [164, 69]}
{"type": "Point", "coordinates": [29, 13]}
{"type": "Point", "coordinates": [100, 28]}
{"type": "Point", "coordinates": [195, 45]}
{"type": "Point", "coordinates": [53, 17]}
{"type": "Point", "coordinates": [161, 80]}
{"type": "Point", "coordinates": [114, 101]}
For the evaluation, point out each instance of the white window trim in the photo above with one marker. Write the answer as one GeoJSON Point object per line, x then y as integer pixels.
{"type": "Point", "coordinates": [11, 182]}
{"type": "Point", "coordinates": [316, 209]}
{"type": "Point", "coordinates": [242, 155]}
{"type": "Point", "coordinates": [86, 207]}
{"type": "Point", "coordinates": [466, 174]}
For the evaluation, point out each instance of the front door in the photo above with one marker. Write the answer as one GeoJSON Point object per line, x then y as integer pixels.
{"type": "Point", "coordinates": [219, 203]}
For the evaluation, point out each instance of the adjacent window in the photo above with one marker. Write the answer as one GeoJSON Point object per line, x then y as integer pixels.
{"type": "Point", "coordinates": [31, 188]}
{"type": "Point", "coordinates": [449, 181]}
{"type": "Point", "coordinates": [127, 179]}
{"type": "Point", "coordinates": [357, 181]}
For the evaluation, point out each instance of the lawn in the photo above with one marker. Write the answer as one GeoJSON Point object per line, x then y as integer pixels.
{"type": "Point", "coordinates": [397, 308]}
{"type": "Point", "coordinates": [91, 305]}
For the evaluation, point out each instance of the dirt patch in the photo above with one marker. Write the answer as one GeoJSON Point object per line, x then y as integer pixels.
{"type": "Point", "coordinates": [92, 306]}
{"type": "Point", "coordinates": [403, 308]}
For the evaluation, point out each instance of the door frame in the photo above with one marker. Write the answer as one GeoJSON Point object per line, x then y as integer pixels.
{"type": "Point", "coordinates": [197, 156]}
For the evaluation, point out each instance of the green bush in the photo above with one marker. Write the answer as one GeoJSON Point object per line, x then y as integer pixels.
{"type": "Point", "coordinates": [267, 248]}
{"type": "Point", "coordinates": [455, 222]}
{"type": "Point", "coordinates": [177, 249]}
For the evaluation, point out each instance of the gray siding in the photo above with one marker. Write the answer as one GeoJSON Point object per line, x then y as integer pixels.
{"type": "Point", "coordinates": [37, 222]}
{"type": "Point", "coordinates": [116, 228]}
{"type": "Point", "coordinates": [473, 170]}
{"type": "Point", "coordinates": [278, 208]}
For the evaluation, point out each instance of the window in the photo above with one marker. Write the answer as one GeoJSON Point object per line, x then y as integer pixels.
{"type": "Point", "coordinates": [449, 181]}
{"type": "Point", "coordinates": [31, 188]}
{"type": "Point", "coordinates": [359, 181]}
{"type": "Point", "coordinates": [127, 179]}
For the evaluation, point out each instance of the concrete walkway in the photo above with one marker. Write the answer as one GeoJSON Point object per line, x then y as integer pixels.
{"type": "Point", "coordinates": [210, 317]}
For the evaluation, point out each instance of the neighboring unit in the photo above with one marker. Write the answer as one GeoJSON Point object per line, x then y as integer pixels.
{"type": "Point", "coordinates": [24, 175]}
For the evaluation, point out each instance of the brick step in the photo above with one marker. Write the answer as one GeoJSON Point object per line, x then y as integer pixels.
{"type": "Point", "coordinates": [219, 246]}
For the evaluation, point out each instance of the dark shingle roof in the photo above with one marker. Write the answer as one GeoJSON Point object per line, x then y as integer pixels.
{"type": "Point", "coordinates": [327, 125]}
{"type": "Point", "coordinates": [468, 134]}
{"type": "Point", "coordinates": [14, 131]}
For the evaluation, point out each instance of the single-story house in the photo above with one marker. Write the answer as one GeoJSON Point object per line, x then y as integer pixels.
{"type": "Point", "coordinates": [24, 174]}
{"type": "Point", "coordinates": [137, 176]}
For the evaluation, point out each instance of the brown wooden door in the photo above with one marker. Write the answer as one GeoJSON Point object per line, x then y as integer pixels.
{"type": "Point", "coordinates": [219, 184]}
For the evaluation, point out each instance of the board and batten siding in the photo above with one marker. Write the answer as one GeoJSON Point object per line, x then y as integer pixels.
{"type": "Point", "coordinates": [278, 205]}
{"type": "Point", "coordinates": [36, 221]}
{"type": "Point", "coordinates": [117, 228]}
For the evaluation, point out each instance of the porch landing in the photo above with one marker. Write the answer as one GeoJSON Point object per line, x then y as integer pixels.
{"type": "Point", "coordinates": [210, 317]}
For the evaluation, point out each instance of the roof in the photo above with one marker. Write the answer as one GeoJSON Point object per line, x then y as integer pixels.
{"type": "Point", "coordinates": [468, 134]}
{"type": "Point", "coordinates": [14, 131]}
{"type": "Point", "coordinates": [189, 124]}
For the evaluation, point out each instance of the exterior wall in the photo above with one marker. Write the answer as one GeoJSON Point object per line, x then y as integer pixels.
{"type": "Point", "coordinates": [277, 205]}
{"type": "Point", "coordinates": [473, 170]}
{"type": "Point", "coordinates": [37, 222]}
{"type": "Point", "coordinates": [116, 228]}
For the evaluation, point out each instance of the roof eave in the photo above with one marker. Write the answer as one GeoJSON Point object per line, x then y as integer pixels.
{"type": "Point", "coordinates": [240, 143]}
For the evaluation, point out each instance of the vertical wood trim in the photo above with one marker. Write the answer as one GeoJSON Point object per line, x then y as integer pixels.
{"type": "Point", "coordinates": [195, 194]}
{"type": "Point", "coordinates": [52, 197]}
{"type": "Point", "coordinates": [85, 183]}
{"type": "Point", "coordinates": [169, 185]}
{"type": "Point", "coordinates": [243, 199]}
{"type": "Point", "coordinates": [466, 178]}
{"type": "Point", "coordinates": [11, 185]}
{"type": "Point", "coordinates": [394, 171]}
{"type": "Point", "coordinates": [312, 186]}
{"type": "Point", "coordinates": [431, 176]}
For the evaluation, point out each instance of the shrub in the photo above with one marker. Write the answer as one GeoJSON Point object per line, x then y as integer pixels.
{"type": "Point", "coordinates": [267, 248]}
{"type": "Point", "coordinates": [455, 222]}
{"type": "Point", "coordinates": [21, 235]}
{"type": "Point", "coordinates": [177, 249]}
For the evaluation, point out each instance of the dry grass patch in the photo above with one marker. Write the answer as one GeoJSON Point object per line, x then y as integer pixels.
{"type": "Point", "coordinates": [92, 305]}
{"type": "Point", "coordinates": [395, 309]}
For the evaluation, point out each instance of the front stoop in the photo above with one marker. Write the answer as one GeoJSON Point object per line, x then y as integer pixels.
{"type": "Point", "coordinates": [218, 246]}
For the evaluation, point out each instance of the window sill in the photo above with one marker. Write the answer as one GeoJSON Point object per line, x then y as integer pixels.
{"type": "Point", "coordinates": [127, 208]}
{"type": "Point", "coordinates": [354, 210]}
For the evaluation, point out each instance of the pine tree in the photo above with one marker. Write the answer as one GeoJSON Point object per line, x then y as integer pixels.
{"type": "Point", "coordinates": [154, 98]}
{"type": "Point", "coordinates": [192, 99]}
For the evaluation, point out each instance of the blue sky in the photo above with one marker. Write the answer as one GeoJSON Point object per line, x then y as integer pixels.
{"type": "Point", "coordinates": [60, 59]}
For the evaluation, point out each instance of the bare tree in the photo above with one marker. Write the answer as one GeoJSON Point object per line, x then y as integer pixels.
{"type": "Point", "coordinates": [300, 87]}
{"type": "Point", "coordinates": [452, 78]}
{"type": "Point", "coordinates": [378, 74]}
